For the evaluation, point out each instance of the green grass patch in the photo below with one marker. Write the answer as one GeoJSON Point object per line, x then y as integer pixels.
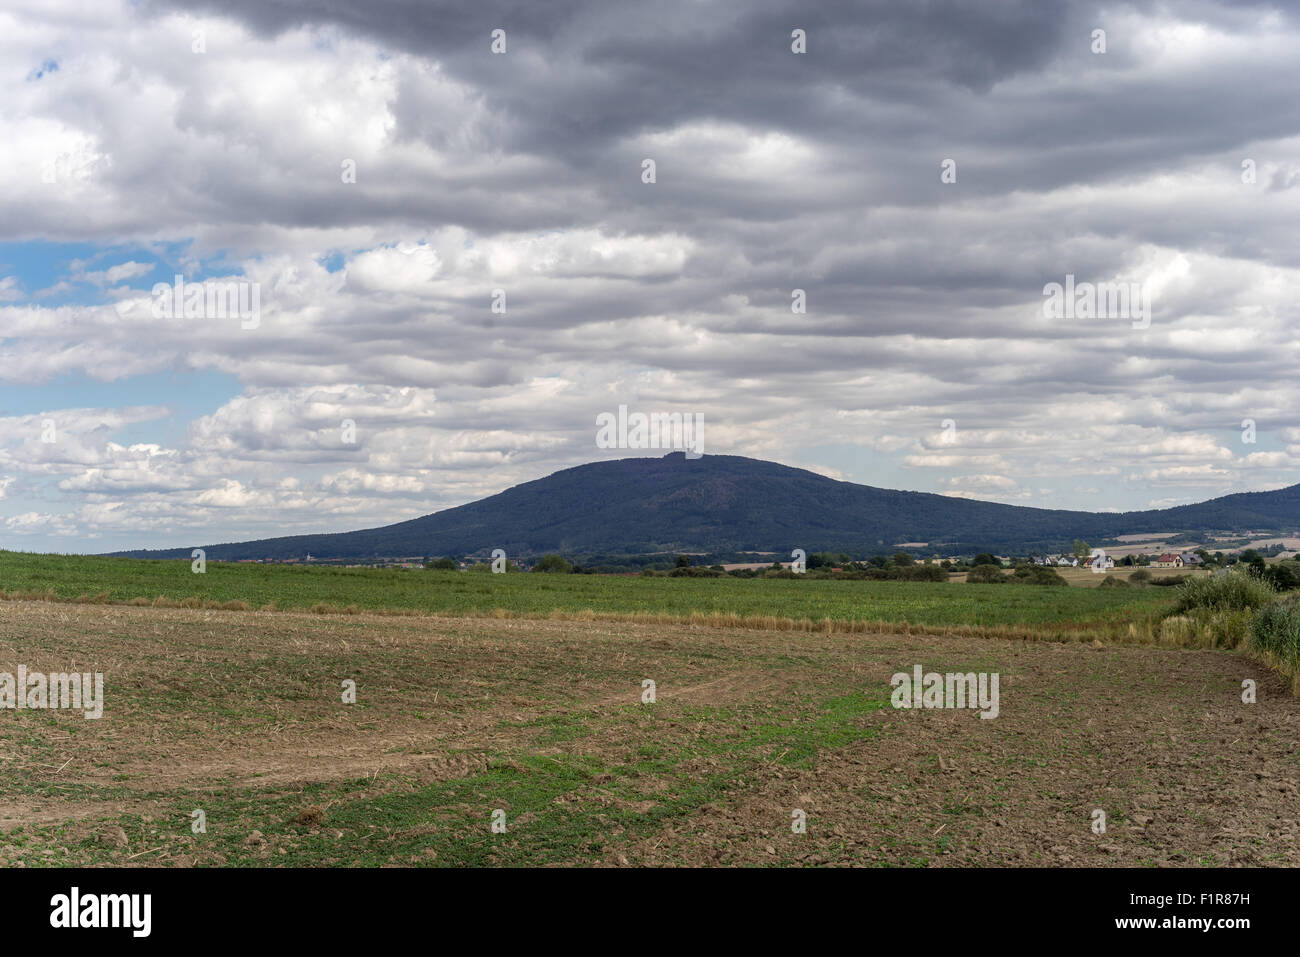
{"type": "Point", "coordinates": [923, 604]}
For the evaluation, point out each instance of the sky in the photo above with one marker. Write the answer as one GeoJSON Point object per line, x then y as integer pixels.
{"type": "Point", "coordinates": [453, 255]}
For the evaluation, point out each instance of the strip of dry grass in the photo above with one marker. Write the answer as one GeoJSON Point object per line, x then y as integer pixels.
{"type": "Point", "coordinates": [1134, 634]}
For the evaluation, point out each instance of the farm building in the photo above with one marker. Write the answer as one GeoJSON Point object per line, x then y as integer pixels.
{"type": "Point", "coordinates": [1099, 561]}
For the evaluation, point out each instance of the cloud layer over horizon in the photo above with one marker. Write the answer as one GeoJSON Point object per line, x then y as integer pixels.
{"type": "Point", "coordinates": [1172, 160]}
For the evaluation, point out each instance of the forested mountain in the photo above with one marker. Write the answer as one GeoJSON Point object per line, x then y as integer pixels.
{"type": "Point", "coordinates": [727, 503]}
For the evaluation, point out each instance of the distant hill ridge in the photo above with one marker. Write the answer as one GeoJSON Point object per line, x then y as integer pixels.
{"type": "Point", "coordinates": [727, 503]}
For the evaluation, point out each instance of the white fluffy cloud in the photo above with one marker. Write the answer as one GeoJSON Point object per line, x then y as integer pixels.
{"type": "Point", "coordinates": [517, 180]}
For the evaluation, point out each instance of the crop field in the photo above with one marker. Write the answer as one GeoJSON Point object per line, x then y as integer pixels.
{"type": "Point", "coordinates": [505, 720]}
{"type": "Point", "coordinates": [1014, 609]}
{"type": "Point", "coordinates": [238, 720]}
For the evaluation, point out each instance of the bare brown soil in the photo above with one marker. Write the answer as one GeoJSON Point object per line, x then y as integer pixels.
{"type": "Point", "coordinates": [213, 707]}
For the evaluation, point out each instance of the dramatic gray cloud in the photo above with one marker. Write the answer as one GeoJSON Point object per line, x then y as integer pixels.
{"type": "Point", "coordinates": [1170, 161]}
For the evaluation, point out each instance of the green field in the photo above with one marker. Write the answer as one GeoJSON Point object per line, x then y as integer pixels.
{"type": "Point", "coordinates": [929, 604]}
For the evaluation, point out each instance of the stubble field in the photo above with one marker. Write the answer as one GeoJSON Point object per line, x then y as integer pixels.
{"type": "Point", "coordinates": [240, 715]}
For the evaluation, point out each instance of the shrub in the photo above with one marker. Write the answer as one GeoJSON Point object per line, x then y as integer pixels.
{"type": "Point", "coordinates": [1140, 577]}
{"type": "Point", "coordinates": [443, 564]}
{"type": "Point", "coordinates": [552, 563]}
{"type": "Point", "coordinates": [1036, 575]}
{"type": "Point", "coordinates": [1235, 591]}
{"type": "Point", "coordinates": [1113, 581]}
{"type": "Point", "coordinates": [698, 571]}
{"type": "Point", "coordinates": [985, 575]}
{"type": "Point", "coordinates": [1276, 630]}
{"type": "Point", "coordinates": [918, 573]}
{"type": "Point", "coordinates": [1281, 577]}
{"type": "Point", "coordinates": [1229, 629]}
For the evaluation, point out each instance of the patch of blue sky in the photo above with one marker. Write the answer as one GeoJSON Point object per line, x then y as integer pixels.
{"type": "Point", "coordinates": [187, 394]}
{"type": "Point", "coordinates": [334, 260]}
{"type": "Point", "coordinates": [65, 273]}
{"type": "Point", "coordinates": [45, 69]}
